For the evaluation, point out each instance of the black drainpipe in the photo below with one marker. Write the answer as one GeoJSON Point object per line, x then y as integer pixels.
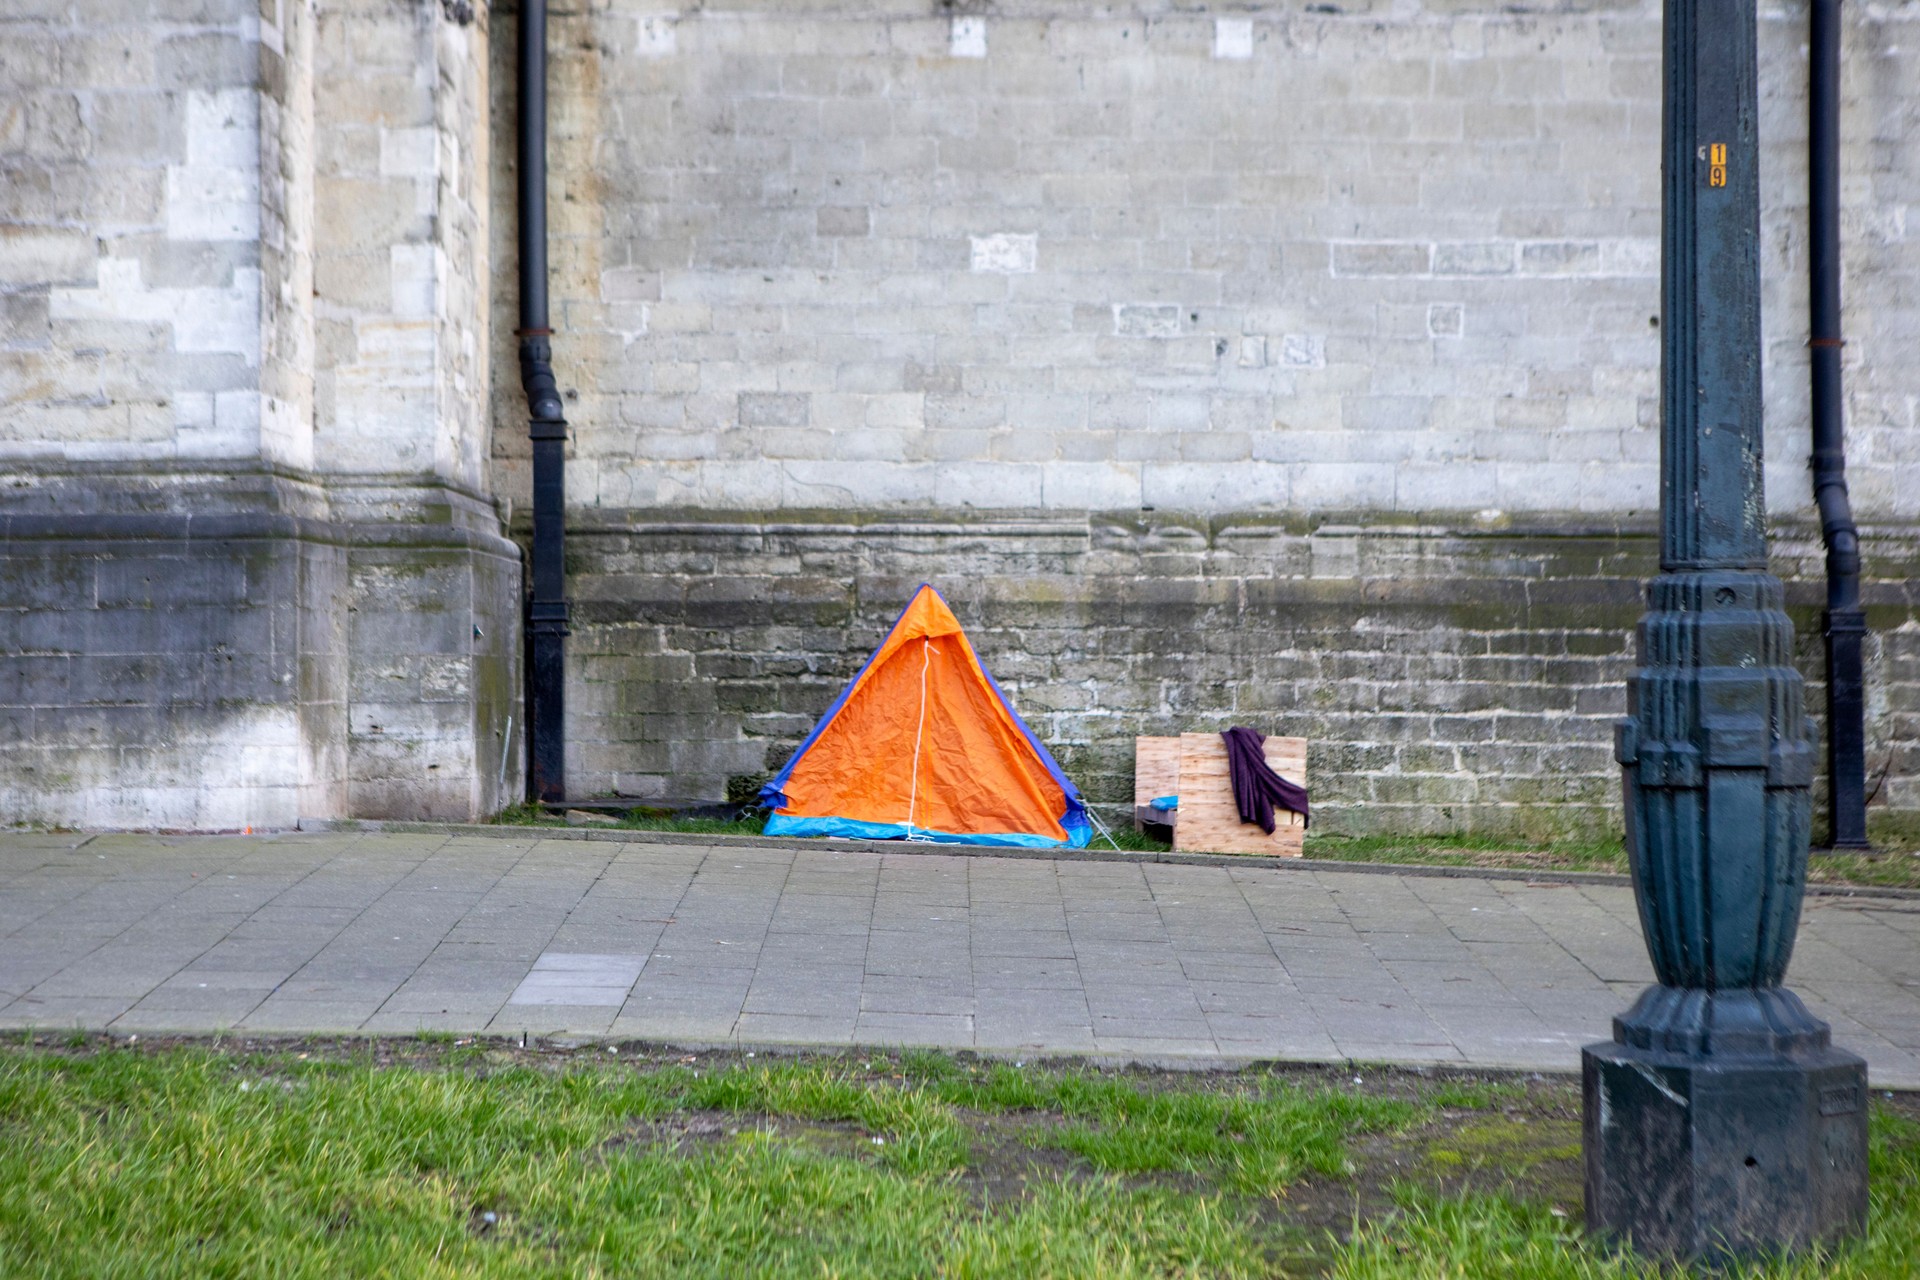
{"type": "Point", "coordinates": [1846, 624]}
{"type": "Point", "coordinates": [546, 425]}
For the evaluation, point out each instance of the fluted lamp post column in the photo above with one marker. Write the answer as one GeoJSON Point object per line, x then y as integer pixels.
{"type": "Point", "coordinates": [1720, 1119]}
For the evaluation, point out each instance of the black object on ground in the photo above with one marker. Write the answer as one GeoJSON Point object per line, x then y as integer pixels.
{"type": "Point", "coordinates": [1257, 789]}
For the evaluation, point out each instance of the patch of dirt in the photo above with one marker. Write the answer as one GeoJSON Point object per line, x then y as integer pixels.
{"type": "Point", "coordinates": [1520, 1146]}
{"type": "Point", "coordinates": [1005, 1162]}
{"type": "Point", "coordinates": [682, 1131]}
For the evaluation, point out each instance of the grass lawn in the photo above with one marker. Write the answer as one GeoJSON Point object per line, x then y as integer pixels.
{"type": "Point", "coordinates": [436, 1158]}
{"type": "Point", "coordinates": [1896, 868]}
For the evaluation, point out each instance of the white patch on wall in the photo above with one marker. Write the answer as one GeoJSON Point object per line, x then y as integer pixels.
{"type": "Point", "coordinates": [193, 411]}
{"type": "Point", "coordinates": [384, 404]}
{"type": "Point", "coordinates": [210, 320]}
{"type": "Point", "coordinates": [413, 269]}
{"type": "Point", "coordinates": [408, 153]}
{"type": "Point", "coordinates": [266, 26]}
{"type": "Point", "coordinates": [1253, 351]}
{"type": "Point", "coordinates": [1303, 350]}
{"type": "Point", "coordinates": [215, 195]}
{"type": "Point", "coordinates": [1146, 319]}
{"type": "Point", "coordinates": [967, 38]}
{"type": "Point", "coordinates": [285, 429]}
{"type": "Point", "coordinates": [253, 768]}
{"type": "Point", "coordinates": [1233, 39]}
{"type": "Point", "coordinates": [236, 414]}
{"type": "Point", "coordinates": [629, 284]}
{"type": "Point", "coordinates": [1005, 253]}
{"type": "Point", "coordinates": [1446, 319]}
{"type": "Point", "coordinates": [1631, 258]}
{"type": "Point", "coordinates": [658, 36]}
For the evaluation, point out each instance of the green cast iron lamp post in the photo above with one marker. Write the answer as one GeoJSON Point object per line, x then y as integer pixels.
{"type": "Point", "coordinates": [1720, 1119]}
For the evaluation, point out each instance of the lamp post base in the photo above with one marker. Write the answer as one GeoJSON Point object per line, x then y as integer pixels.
{"type": "Point", "coordinates": [1729, 1154]}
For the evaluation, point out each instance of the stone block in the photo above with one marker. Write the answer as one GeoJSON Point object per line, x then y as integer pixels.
{"type": "Point", "coordinates": [42, 256]}
{"type": "Point", "coordinates": [774, 410]}
{"type": "Point", "coordinates": [1720, 1156]}
{"type": "Point", "coordinates": [205, 61]}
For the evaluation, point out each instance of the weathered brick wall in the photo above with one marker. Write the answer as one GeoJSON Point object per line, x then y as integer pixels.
{"type": "Point", "coordinates": [1385, 258]}
{"type": "Point", "coordinates": [248, 571]}
{"type": "Point", "coordinates": [1447, 679]}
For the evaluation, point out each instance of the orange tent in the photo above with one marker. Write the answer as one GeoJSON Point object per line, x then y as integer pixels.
{"type": "Point", "coordinates": [922, 745]}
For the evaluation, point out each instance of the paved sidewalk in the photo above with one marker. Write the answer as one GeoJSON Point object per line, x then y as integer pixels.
{"type": "Point", "coordinates": [394, 933]}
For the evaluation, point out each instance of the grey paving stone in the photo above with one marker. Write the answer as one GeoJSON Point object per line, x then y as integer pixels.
{"type": "Point", "coordinates": [1293, 1038]}
{"type": "Point", "coordinates": [810, 1000]}
{"type": "Point", "coordinates": [1009, 972]}
{"type": "Point", "coordinates": [947, 997]}
{"type": "Point", "coordinates": [1149, 1048]}
{"type": "Point", "coordinates": [552, 1019]}
{"type": "Point", "coordinates": [161, 1020]}
{"type": "Point", "coordinates": [786, 1028]}
{"type": "Point", "coordinates": [1258, 999]}
{"type": "Point", "coordinates": [231, 1003]}
{"type": "Point", "coordinates": [439, 972]}
{"type": "Point", "coordinates": [105, 976]}
{"type": "Point", "coordinates": [1398, 1051]}
{"type": "Point", "coordinates": [346, 969]}
{"type": "Point", "coordinates": [579, 978]}
{"type": "Point", "coordinates": [1039, 1039]}
{"type": "Point", "coordinates": [1024, 944]}
{"type": "Point", "coordinates": [1359, 984]}
{"type": "Point", "coordinates": [903, 961]}
{"type": "Point", "coordinates": [308, 1016]}
{"type": "Point", "coordinates": [87, 1012]}
{"type": "Point", "coordinates": [702, 1028]}
{"type": "Point", "coordinates": [1134, 1003]}
{"type": "Point", "coordinates": [854, 924]}
{"type": "Point", "coordinates": [951, 1031]}
{"type": "Point", "coordinates": [802, 950]}
{"type": "Point", "coordinates": [1132, 969]}
{"type": "Point", "coordinates": [477, 1009]}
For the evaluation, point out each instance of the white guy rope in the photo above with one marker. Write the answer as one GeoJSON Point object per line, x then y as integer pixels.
{"type": "Point", "coordinates": [1102, 828]}
{"type": "Point", "coordinates": [913, 792]}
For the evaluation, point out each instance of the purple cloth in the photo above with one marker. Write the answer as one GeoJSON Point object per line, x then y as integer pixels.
{"type": "Point", "coordinates": [1257, 789]}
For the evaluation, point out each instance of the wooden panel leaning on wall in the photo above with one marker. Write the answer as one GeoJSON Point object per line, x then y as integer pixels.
{"type": "Point", "coordinates": [1193, 766]}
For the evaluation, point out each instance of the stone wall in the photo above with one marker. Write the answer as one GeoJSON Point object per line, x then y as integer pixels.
{"type": "Point", "coordinates": [249, 568]}
{"type": "Point", "coordinates": [1289, 364]}
{"type": "Point", "coordinates": [1447, 678]}
{"type": "Point", "coordinates": [401, 273]}
{"type": "Point", "coordinates": [1358, 257]}
{"type": "Point", "coordinates": [402, 269]}
{"type": "Point", "coordinates": [155, 217]}
{"type": "Point", "coordinates": [174, 662]}
{"type": "Point", "coordinates": [1292, 363]}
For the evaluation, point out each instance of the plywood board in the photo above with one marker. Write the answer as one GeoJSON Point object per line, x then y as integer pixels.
{"type": "Point", "coordinates": [1156, 769]}
{"type": "Point", "coordinates": [1209, 819]}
